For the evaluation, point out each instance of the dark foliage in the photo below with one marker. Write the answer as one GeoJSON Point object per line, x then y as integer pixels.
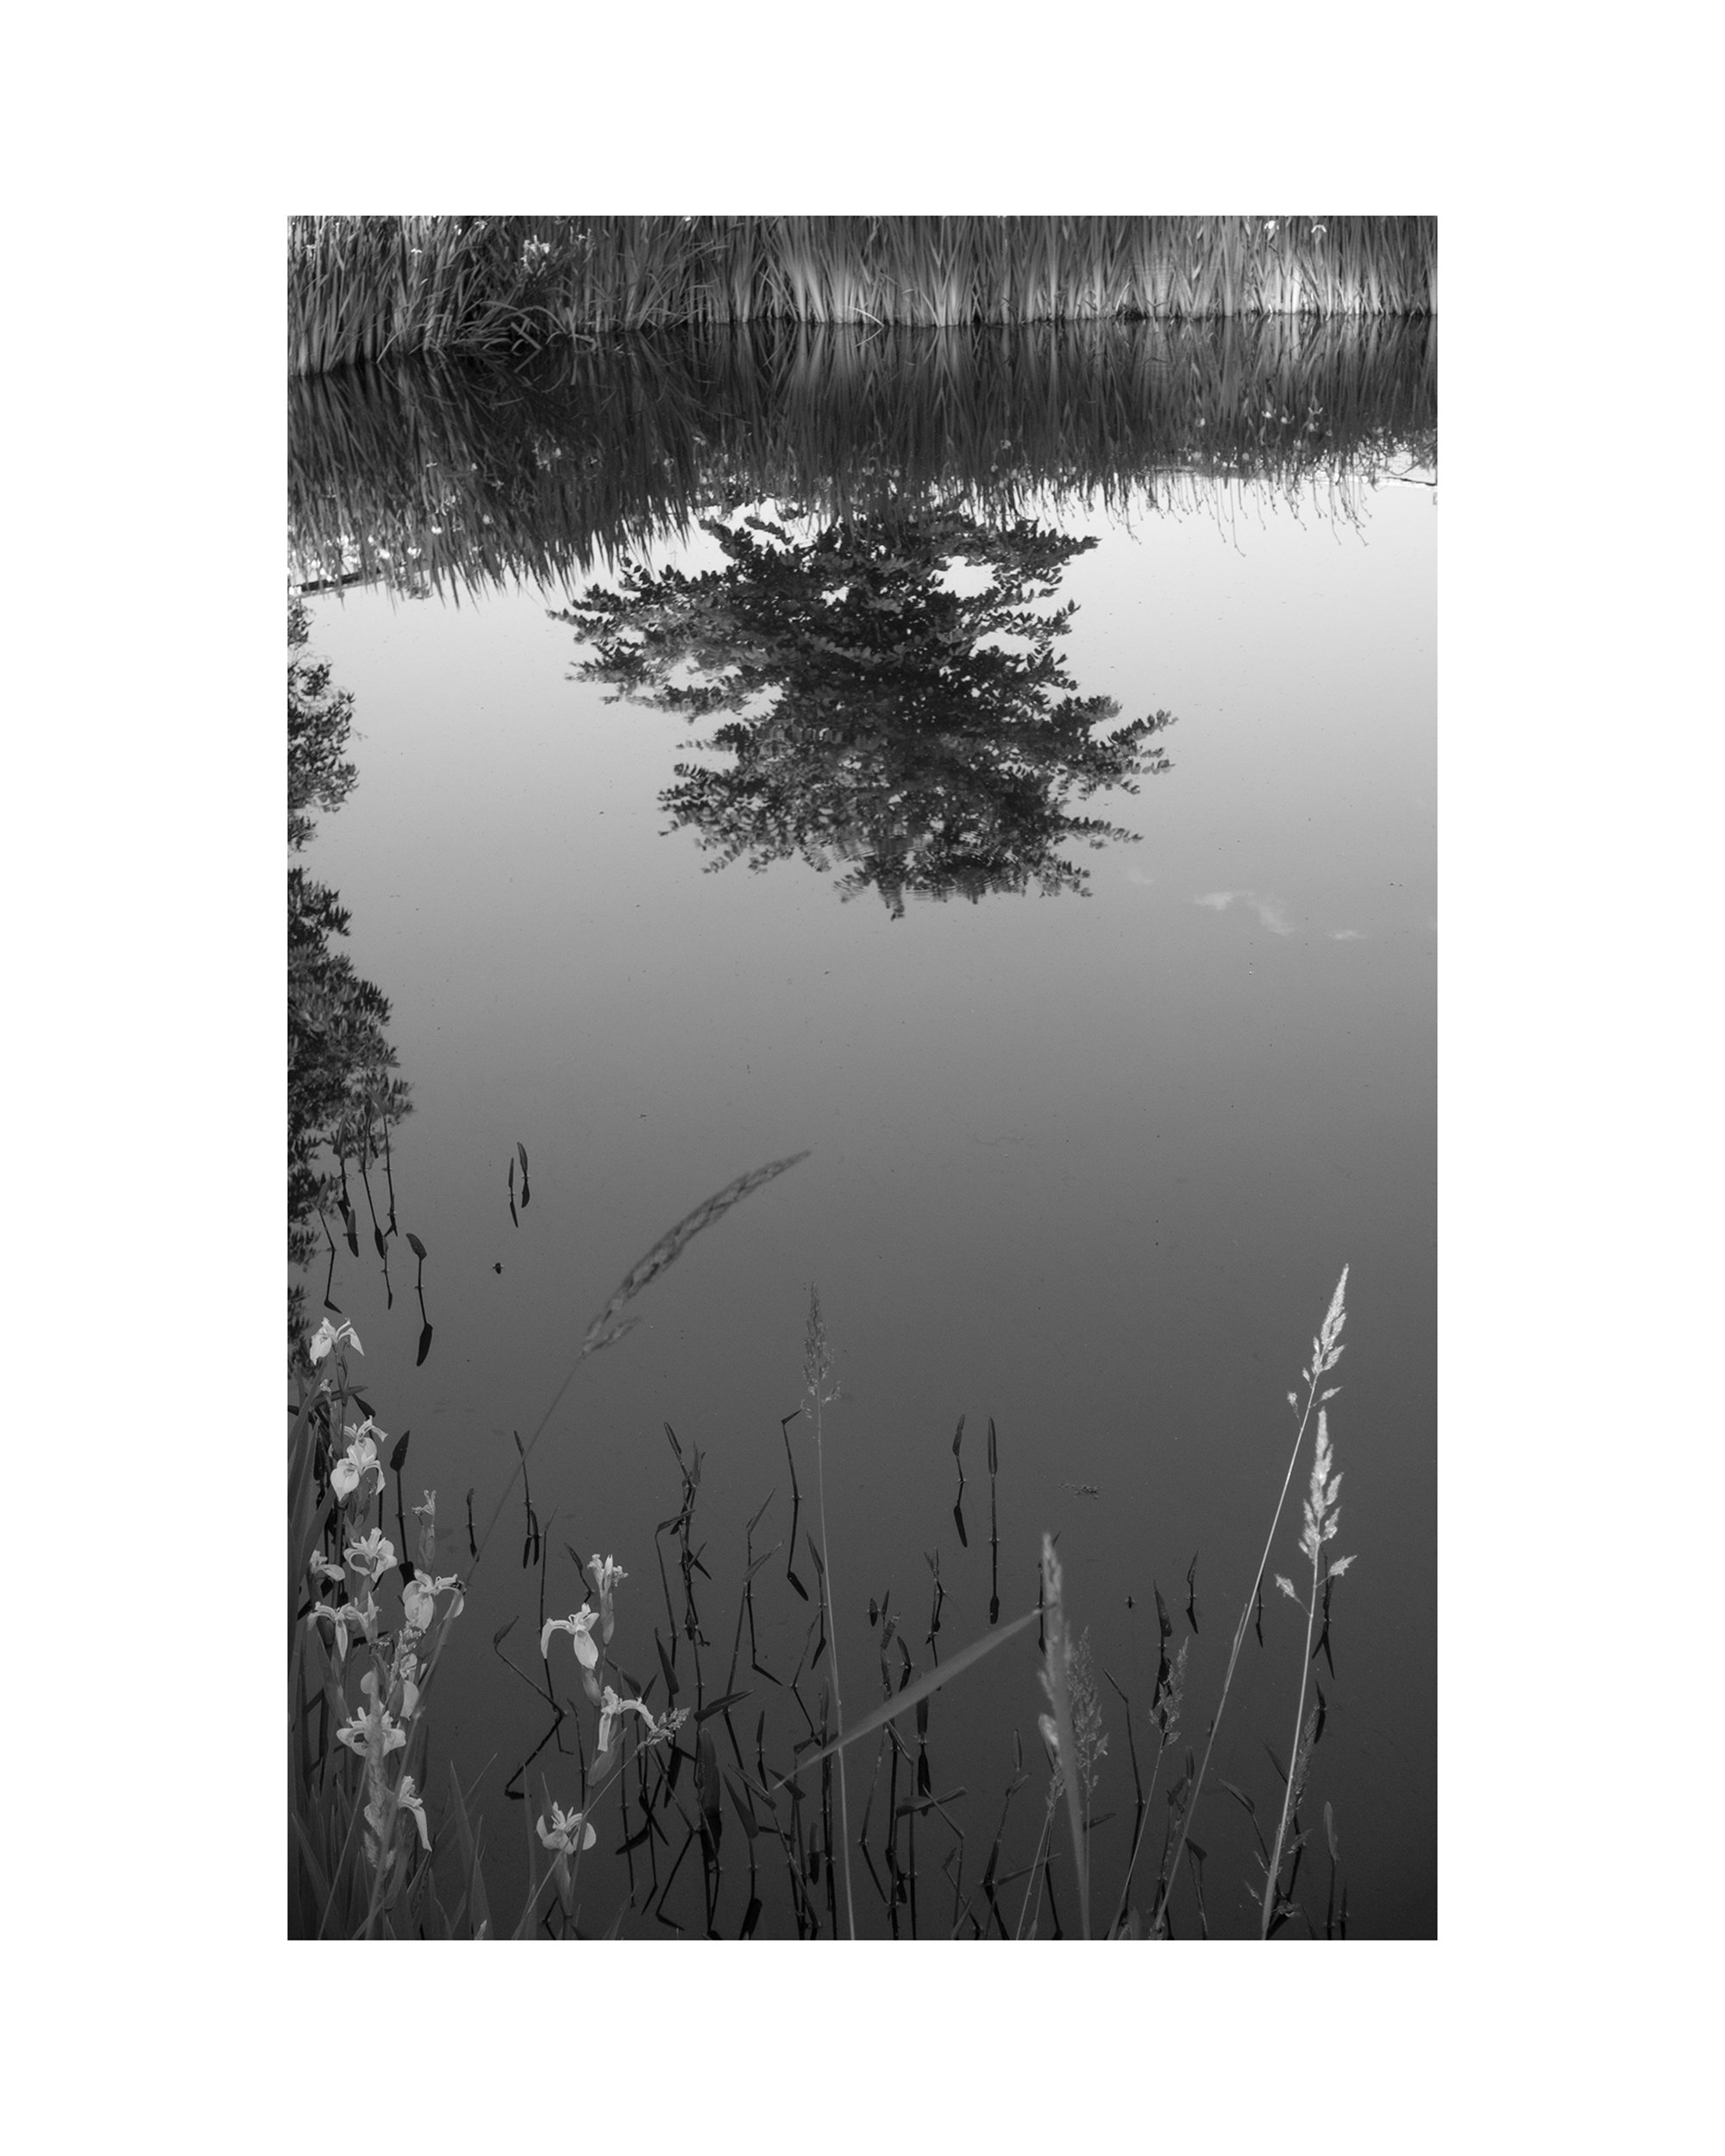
{"type": "Point", "coordinates": [342, 1089]}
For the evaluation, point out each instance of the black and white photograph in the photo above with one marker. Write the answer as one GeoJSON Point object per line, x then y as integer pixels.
{"type": "Point", "coordinates": [862, 1154]}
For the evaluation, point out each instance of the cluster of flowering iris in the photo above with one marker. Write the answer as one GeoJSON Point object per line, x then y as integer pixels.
{"type": "Point", "coordinates": [590, 1632]}
{"type": "Point", "coordinates": [391, 1686]}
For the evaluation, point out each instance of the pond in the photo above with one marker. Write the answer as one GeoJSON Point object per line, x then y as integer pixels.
{"type": "Point", "coordinates": [999, 772]}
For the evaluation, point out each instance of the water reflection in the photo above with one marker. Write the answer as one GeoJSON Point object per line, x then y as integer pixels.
{"type": "Point", "coordinates": [882, 713]}
{"type": "Point", "coordinates": [452, 476]}
{"type": "Point", "coordinates": [343, 1096]}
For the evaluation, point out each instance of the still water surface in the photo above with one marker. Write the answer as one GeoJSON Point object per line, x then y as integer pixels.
{"type": "Point", "coordinates": [1086, 1165]}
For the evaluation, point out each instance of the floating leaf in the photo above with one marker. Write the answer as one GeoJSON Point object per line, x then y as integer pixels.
{"type": "Point", "coordinates": [521, 1151]}
{"type": "Point", "coordinates": [414, 1244]}
{"type": "Point", "coordinates": [398, 1452]}
{"type": "Point", "coordinates": [959, 1437]}
{"type": "Point", "coordinates": [993, 1454]}
{"type": "Point", "coordinates": [424, 1345]}
{"type": "Point", "coordinates": [382, 1247]}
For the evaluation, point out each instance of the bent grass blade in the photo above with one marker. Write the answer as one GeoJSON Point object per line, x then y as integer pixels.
{"type": "Point", "coordinates": [605, 1328]}
{"type": "Point", "coordinates": [920, 1690]}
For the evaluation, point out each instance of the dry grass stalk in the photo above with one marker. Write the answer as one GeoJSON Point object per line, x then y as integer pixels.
{"type": "Point", "coordinates": [1323, 1519]}
{"type": "Point", "coordinates": [1325, 1354]}
{"type": "Point", "coordinates": [1075, 1758]}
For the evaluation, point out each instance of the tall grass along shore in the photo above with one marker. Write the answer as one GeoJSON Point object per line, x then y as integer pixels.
{"type": "Point", "coordinates": [367, 288]}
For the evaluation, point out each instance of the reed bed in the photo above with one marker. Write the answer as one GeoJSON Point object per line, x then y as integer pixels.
{"type": "Point", "coordinates": [362, 289]}
{"type": "Point", "coordinates": [449, 476]}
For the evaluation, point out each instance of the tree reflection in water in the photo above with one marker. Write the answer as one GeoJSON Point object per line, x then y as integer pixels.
{"type": "Point", "coordinates": [881, 713]}
{"type": "Point", "coordinates": [343, 1095]}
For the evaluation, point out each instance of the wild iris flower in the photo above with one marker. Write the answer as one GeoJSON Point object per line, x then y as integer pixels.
{"type": "Point", "coordinates": [611, 1711]}
{"type": "Point", "coordinates": [564, 1826]}
{"type": "Point", "coordinates": [606, 1572]}
{"type": "Point", "coordinates": [419, 1599]}
{"type": "Point", "coordinates": [353, 1617]}
{"type": "Point", "coordinates": [328, 1336]}
{"type": "Point", "coordinates": [374, 1556]}
{"type": "Point", "coordinates": [360, 1460]}
{"type": "Point", "coordinates": [407, 1800]}
{"type": "Point", "coordinates": [374, 1734]}
{"type": "Point", "coordinates": [579, 1628]}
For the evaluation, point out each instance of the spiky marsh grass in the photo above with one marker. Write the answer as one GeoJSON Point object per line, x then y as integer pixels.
{"type": "Point", "coordinates": [816, 1381]}
{"type": "Point", "coordinates": [1325, 1354]}
{"type": "Point", "coordinates": [1323, 1519]}
{"type": "Point", "coordinates": [367, 288]}
{"type": "Point", "coordinates": [1072, 1730]}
